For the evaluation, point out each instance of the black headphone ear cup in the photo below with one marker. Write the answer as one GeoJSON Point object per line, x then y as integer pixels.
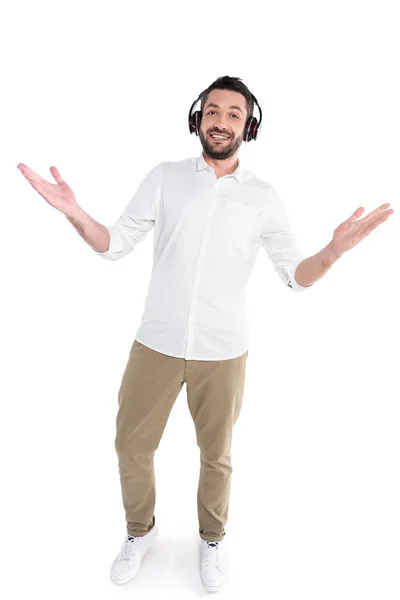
{"type": "Point", "coordinates": [191, 126]}
{"type": "Point", "coordinates": [195, 121]}
{"type": "Point", "coordinates": [246, 129]}
{"type": "Point", "coordinates": [198, 121]}
{"type": "Point", "coordinates": [250, 129]}
{"type": "Point", "coordinates": [256, 127]}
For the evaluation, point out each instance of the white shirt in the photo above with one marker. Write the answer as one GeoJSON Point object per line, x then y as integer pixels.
{"type": "Point", "coordinates": [207, 233]}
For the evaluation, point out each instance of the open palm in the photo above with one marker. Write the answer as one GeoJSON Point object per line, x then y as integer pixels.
{"type": "Point", "coordinates": [351, 232]}
{"type": "Point", "coordinates": [59, 195]}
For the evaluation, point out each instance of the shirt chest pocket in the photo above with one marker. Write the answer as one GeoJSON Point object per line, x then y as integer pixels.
{"type": "Point", "coordinates": [235, 219]}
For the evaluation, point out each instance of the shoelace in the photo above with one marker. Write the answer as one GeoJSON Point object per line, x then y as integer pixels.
{"type": "Point", "coordinates": [213, 556]}
{"type": "Point", "coordinates": [129, 547]}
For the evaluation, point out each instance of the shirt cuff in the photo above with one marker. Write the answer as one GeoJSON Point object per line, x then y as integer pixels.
{"type": "Point", "coordinates": [292, 281]}
{"type": "Point", "coordinates": [114, 247]}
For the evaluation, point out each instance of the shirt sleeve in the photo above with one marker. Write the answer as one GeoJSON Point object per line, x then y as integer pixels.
{"type": "Point", "coordinates": [279, 242]}
{"type": "Point", "coordinates": [137, 219]}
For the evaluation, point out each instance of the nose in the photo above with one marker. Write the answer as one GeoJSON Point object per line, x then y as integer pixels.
{"type": "Point", "coordinates": [220, 126]}
{"type": "Point", "coordinates": [221, 123]}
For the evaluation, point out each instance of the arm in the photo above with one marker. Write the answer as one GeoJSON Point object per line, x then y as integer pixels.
{"type": "Point", "coordinates": [61, 197]}
{"type": "Point", "coordinates": [94, 234]}
{"type": "Point", "coordinates": [346, 236]}
{"type": "Point", "coordinates": [109, 242]}
{"type": "Point", "coordinates": [313, 268]}
{"type": "Point", "coordinates": [279, 242]}
{"type": "Point", "coordinates": [135, 222]}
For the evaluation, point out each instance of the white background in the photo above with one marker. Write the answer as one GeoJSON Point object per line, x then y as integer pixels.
{"type": "Point", "coordinates": [102, 91]}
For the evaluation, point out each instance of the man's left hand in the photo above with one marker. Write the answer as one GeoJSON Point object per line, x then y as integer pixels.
{"type": "Point", "coordinates": [349, 233]}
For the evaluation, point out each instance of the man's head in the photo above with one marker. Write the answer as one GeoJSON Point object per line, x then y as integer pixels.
{"type": "Point", "coordinates": [225, 107]}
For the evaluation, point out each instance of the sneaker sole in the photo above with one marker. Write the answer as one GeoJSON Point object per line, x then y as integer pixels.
{"type": "Point", "coordinates": [216, 588]}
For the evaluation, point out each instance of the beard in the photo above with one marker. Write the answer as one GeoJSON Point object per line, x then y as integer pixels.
{"type": "Point", "coordinates": [220, 151]}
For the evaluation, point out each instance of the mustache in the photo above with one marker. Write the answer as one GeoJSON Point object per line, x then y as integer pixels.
{"type": "Point", "coordinates": [220, 133]}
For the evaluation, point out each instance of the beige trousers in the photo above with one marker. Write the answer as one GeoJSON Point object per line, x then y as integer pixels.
{"type": "Point", "coordinates": [150, 385]}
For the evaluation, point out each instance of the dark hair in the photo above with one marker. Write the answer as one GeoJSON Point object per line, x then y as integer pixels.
{"type": "Point", "coordinates": [230, 83]}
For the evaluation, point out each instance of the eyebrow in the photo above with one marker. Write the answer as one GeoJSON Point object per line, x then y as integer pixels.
{"type": "Point", "coordinates": [216, 106]}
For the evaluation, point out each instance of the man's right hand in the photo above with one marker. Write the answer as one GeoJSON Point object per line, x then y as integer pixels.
{"type": "Point", "coordinates": [59, 195]}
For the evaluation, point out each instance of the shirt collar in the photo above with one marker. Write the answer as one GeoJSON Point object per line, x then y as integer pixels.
{"type": "Point", "coordinates": [202, 164]}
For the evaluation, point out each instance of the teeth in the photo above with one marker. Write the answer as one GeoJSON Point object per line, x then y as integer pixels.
{"type": "Point", "coordinates": [219, 137]}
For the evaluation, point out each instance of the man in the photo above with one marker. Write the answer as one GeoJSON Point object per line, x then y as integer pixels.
{"type": "Point", "coordinates": [210, 215]}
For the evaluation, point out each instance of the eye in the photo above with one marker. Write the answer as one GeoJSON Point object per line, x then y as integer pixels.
{"type": "Point", "coordinates": [234, 114]}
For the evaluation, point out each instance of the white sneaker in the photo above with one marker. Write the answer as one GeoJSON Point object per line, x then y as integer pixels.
{"type": "Point", "coordinates": [128, 560]}
{"type": "Point", "coordinates": [213, 565]}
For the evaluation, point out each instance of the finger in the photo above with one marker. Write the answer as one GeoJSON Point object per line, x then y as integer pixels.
{"type": "Point", "coordinates": [29, 173]}
{"type": "Point", "coordinates": [25, 170]}
{"type": "Point", "coordinates": [36, 181]}
{"type": "Point", "coordinates": [375, 213]}
{"type": "Point", "coordinates": [56, 174]}
{"type": "Point", "coordinates": [356, 214]}
{"type": "Point", "coordinates": [370, 226]}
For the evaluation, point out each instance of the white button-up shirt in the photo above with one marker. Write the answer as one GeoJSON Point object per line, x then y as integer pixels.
{"type": "Point", "coordinates": [207, 233]}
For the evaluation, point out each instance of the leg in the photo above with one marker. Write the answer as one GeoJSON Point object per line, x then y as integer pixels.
{"type": "Point", "coordinates": [150, 385]}
{"type": "Point", "coordinates": [215, 393]}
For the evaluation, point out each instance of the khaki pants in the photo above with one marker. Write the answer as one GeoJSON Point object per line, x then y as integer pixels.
{"type": "Point", "coordinates": [150, 385]}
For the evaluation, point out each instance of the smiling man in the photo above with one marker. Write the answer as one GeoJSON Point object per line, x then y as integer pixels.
{"type": "Point", "coordinates": [210, 217]}
{"type": "Point", "coordinates": [221, 144]}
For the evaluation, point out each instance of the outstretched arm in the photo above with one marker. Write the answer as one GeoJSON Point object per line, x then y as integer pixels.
{"type": "Point", "coordinates": [347, 235]}
{"type": "Point", "coordinates": [61, 197]}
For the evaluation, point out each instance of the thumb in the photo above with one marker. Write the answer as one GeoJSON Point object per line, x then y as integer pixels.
{"type": "Point", "coordinates": [356, 214]}
{"type": "Point", "coordinates": [56, 174]}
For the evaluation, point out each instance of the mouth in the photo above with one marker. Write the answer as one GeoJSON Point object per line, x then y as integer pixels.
{"type": "Point", "coordinates": [219, 138]}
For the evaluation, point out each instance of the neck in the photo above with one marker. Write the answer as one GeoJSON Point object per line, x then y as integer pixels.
{"type": "Point", "coordinates": [223, 167]}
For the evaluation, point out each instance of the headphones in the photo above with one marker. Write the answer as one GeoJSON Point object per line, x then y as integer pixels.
{"type": "Point", "coordinates": [251, 128]}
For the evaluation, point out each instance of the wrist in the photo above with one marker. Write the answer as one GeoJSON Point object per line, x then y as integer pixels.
{"type": "Point", "coordinates": [332, 254]}
{"type": "Point", "coordinates": [75, 213]}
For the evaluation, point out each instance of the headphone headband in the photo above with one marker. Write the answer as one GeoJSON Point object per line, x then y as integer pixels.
{"type": "Point", "coordinates": [251, 128]}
